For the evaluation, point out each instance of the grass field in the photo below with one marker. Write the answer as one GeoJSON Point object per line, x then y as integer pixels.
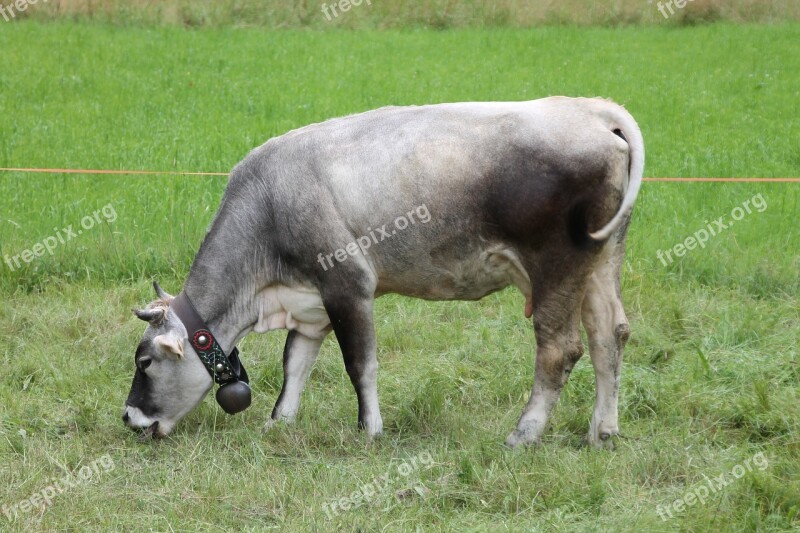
{"type": "Point", "coordinates": [711, 377]}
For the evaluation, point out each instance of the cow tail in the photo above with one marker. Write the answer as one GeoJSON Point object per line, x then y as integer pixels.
{"type": "Point", "coordinates": [622, 124]}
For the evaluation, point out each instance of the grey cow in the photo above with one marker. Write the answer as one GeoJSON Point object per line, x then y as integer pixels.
{"type": "Point", "coordinates": [532, 194]}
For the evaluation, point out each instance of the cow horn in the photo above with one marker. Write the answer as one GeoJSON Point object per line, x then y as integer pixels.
{"type": "Point", "coordinates": [161, 292]}
{"type": "Point", "coordinates": [150, 315]}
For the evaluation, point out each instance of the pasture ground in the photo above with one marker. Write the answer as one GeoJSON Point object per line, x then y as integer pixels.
{"type": "Point", "coordinates": [711, 374]}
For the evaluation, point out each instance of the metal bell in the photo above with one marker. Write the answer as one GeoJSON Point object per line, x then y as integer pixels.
{"type": "Point", "coordinates": [234, 397]}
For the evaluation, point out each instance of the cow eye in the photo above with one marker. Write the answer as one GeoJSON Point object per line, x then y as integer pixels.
{"type": "Point", "coordinates": [143, 363]}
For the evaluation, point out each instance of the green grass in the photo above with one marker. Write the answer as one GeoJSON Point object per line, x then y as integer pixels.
{"type": "Point", "coordinates": [711, 374]}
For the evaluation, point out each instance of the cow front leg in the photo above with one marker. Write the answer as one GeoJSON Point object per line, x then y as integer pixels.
{"type": "Point", "coordinates": [299, 355]}
{"type": "Point", "coordinates": [352, 322]}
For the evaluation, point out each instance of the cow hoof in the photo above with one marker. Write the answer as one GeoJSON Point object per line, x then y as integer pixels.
{"type": "Point", "coordinates": [519, 438]}
{"type": "Point", "coordinates": [374, 433]}
{"type": "Point", "coordinates": [271, 423]}
{"type": "Point", "coordinates": [604, 441]}
{"type": "Point", "coordinates": [372, 426]}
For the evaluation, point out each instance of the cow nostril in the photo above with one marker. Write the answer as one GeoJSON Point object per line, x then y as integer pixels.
{"type": "Point", "coordinates": [125, 416]}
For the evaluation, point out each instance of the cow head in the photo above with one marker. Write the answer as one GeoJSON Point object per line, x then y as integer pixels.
{"type": "Point", "coordinates": [170, 380]}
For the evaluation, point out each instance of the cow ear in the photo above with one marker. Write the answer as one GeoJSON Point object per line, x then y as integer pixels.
{"type": "Point", "coordinates": [170, 343]}
{"type": "Point", "coordinates": [149, 315]}
{"type": "Point", "coordinates": [161, 293]}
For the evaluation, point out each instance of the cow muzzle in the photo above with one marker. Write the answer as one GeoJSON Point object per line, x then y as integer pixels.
{"type": "Point", "coordinates": [135, 420]}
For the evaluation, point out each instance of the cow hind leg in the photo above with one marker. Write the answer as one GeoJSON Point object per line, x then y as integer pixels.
{"type": "Point", "coordinates": [607, 329]}
{"type": "Point", "coordinates": [299, 355]}
{"type": "Point", "coordinates": [556, 316]}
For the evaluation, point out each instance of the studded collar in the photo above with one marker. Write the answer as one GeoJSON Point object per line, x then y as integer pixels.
{"type": "Point", "coordinates": [222, 368]}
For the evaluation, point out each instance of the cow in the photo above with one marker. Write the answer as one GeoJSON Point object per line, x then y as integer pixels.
{"type": "Point", "coordinates": [535, 194]}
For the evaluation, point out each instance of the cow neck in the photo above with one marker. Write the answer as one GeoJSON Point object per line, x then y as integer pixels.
{"type": "Point", "coordinates": [227, 310]}
{"type": "Point", "coordinates": [222, 280]}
